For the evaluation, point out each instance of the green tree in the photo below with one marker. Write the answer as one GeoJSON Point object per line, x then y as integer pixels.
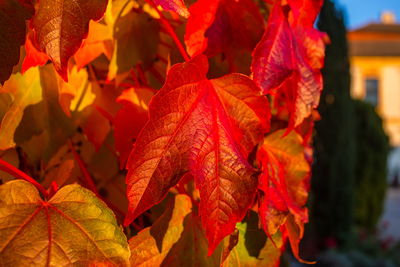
{"type": "Point", "coordinates": [333, 171]}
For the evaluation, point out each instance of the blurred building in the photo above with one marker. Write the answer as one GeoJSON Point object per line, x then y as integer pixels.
{"type": "Point", "coordinates": [375, 68]}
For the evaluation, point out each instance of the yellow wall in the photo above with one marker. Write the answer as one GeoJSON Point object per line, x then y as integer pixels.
{"type": "Point", "coordinates": [387, 71]}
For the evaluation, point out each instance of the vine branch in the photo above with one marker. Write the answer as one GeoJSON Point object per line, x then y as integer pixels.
{"type": "Point", "coordinates": [7, 167]}
{"type": "Point", "coordinates": [170, 31]}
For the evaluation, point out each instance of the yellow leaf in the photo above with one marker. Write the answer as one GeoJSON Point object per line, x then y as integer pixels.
{"type": "Point", "coordinates": [73, 228]}
{"type": "Point", "coordinates": [151, 246]}
{"type": "Point", "coordinates": [25, 90]}
{"type": "Point", "coordinates": [76, 94]}
{"type": "Point", "coordinates": [254, 248]}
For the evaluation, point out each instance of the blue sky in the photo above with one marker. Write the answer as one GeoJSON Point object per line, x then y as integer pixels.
{"type": "Point", "coordinates": [360, 12]}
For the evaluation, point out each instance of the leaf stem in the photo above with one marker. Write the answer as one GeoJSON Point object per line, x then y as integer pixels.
{"type": "Point", "coordinates": [170, 31]}
{"type": "Point", "coordinates": [89, 181]}
{"type": "Point", "coordinates": [86, 175]}
{"type": "Point", "coordinates": [7, 167]}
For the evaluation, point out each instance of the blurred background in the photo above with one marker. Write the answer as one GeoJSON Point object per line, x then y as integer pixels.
{"type": "Point", "coordinates": [355, 200]}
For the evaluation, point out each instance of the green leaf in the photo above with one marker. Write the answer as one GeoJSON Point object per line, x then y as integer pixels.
{"type": "Point", "coordinates": [72, 228]}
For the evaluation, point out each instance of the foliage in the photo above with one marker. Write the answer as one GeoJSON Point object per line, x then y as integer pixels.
{"type": "Point", "coordinates": [371, 170]}
{"type": "Point", "coordinates": [202, 150]}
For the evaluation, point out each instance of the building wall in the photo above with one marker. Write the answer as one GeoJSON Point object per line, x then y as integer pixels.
{"type": "Point", "coordinates": [387, 71]}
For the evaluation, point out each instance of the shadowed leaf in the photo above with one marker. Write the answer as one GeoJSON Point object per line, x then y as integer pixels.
{"type": "Point", "coordinates": [25, 90]}
{"type": "Point", "coordinates": [13, 14]}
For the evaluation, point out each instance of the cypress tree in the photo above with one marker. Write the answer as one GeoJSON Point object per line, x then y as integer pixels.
{"type": "Point", "coordinates": [334, 168]}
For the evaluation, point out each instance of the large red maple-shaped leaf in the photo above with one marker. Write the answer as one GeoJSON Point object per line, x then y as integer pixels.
{"type": "Point", "coordinates": [60, 27]}
{"type": "Point", "coordinates": [208, 128]}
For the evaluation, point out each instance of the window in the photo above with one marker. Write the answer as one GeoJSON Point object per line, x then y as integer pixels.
{"type": "Point", "coordinates": [371, 91]}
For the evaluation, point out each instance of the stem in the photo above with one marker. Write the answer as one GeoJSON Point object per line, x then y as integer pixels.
{"type": "Point", "coordinates": [19, 174]}
{"type": "Point", "coordinates": [89, 181]}
{"type": "Point", "coordinates": [86, 175]}
{"type": "Point", "coordinates": [170, 31]}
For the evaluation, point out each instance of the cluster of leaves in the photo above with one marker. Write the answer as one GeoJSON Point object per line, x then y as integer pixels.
{"type": "Point", "coordinates": [216, 132]}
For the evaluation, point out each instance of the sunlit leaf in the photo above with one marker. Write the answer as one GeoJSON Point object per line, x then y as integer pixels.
{"type": "Point", "coordinates": [61, 26]}
{"type": "Point", "coordinates": [207, 127]}
{"type": "Point", "coordinates": [174, 5]}
{"type": "Point", "coordinates": [151, 245]}
{"type": "Point", "coordinates": [254, 248]}
{"type": "Point", "coordinates": [284, 183]}
{"type": "Point", "coordinates": [25, 90]}
{"type": "Point", "coordinates": [73, 227]}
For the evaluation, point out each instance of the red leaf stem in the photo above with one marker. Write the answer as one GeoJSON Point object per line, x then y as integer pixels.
{"type": "Point", "coordinates": [20, 174]}
{"type": "Point", "coordinates": [170, 31]}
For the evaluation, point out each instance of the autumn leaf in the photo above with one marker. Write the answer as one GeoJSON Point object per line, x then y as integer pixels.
{"type": "Point", "coordinates": [284, 183]}
{"type": "Point", "coordinates": [33, 56]}
{"type": "Point", "coordinates": [222, 26]}
{"type": "Point", "coordinates": [273, 58]}
{"type": "Point", "coordinates": [174, 5]}
{"type": "Point", "coordinates": [98, 107]}
{"type": "Point", "coordinates": [254, 248]}
{"type": "Point", "coordinates": [76, 94]}
{"type": "Point", "coordinates": [191, 249]}
{"type": "Point", "coordinates": [25, 90]}
{"type": "Point", "coordinates": [60, 27]}
{"type": "Point", "coordinates": [135, 41]}
{"type": "Point", "coordinates": [13, 14]}
{"type": "Point", "coordinates": [73, 227]}
{"type": "Point", "coordinates": [130, 119]}
{"type": "Point", "coordinates": [45, 122]}
{"type": "Point", "coordinates": [294, 52]}
{"type": "Point", "coordinates": [151, 245]}
{"type": "Point", "coordinates": [207, 127]}
{"type": "Point", "coordinates": [98, 41]}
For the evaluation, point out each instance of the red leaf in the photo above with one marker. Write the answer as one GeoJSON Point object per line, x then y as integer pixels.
{"type": "Point", "coordinates": [33, 56]}
{"type": "Point", "coordinates": [13, 14]}
{"type": "Point", "coordinates": [305, 11]}
{"type": "Point", "coordinates": [208, 128]}
{"type": "Point", "coordinates": [273, 58]}
{"type": "Point", "coordinates": [284, 185]}
{"type": "Point", "coordinates": [60, 27]}
{"type": "Point", "coordinates": [130, 119]}
{"type": "Point", "coordinates": [202, 15]}
{"type": "Point", "coordinates": [174, 5]}
{"type": "Point", "coordinates": [295, 231]}
{"type": "Point", "coordinates": [220, 26]}
{"type": "Point", "coordinates": [294, 53]}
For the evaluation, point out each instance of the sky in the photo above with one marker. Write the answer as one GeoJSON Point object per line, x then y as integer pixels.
{"type": "Point", "coordinates": [360, 12]}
